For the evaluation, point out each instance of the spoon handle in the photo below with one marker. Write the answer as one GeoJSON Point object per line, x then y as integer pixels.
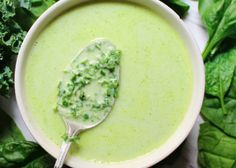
{"type": "Point", "coordinates": [65, 148]}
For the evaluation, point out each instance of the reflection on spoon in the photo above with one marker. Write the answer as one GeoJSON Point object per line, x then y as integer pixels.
{"type": "Point", "coordinates": [88, 90]}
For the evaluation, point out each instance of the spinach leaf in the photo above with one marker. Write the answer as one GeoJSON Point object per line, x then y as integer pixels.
{"type": "Point", "coordinates": [216, 149]}
{"type": "Point", "coordinates": [17, 153]}
{"type": "Point", "coordinates": [45, 161]}
{"type": "Point", "coordinates": [234, 165]}
{"type": "Point", "coordinates": [222, 111]}
{"type": "Point", "coordinates": [36, 8]}
{"type": "Point", "coordinates": [219, 74]}
{"type": "Point", "coordinates": [211, 12]}
{"type": "Point", "coordinates": [180, 7]}
{"type": "Point", "coordinates": [9, 132]}
{"type": "Point", "coordinates": [14, 149]}
{"type": "Point", "coordinates": [213, 112]}
{"type": "Point", "coordinates": [219, 17]}
{"type": "Point", "coordinates": [232, 90]}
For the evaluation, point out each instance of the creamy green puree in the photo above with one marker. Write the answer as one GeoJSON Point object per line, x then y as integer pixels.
{"type": "Point", "coordinates": [156, 78]}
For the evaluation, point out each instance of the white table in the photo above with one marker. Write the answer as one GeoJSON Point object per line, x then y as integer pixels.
{"type": "Point", "coordinates": [186, 155]}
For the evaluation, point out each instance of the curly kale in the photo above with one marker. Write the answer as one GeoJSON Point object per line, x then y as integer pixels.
{"type": "Point", "coordinates": [16, 17]}
{"type": "Point", "coordinates": [6, 81]}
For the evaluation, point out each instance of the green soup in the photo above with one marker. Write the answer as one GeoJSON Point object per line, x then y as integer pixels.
{"type": "Point", "coordinates": [156, 78]}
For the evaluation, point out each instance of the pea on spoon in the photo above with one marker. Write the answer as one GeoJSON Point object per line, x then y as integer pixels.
{"type": "Point", "coordinates": [88, 90]}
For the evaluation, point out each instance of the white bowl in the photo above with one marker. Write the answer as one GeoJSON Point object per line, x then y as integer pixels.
{"type": "Point", "coordinates": [148, 159]}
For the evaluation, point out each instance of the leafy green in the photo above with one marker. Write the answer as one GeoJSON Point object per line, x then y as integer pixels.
{"type": "Point", "coordinates": [219, 17]}
{"type": "Point", "coordinates": [217, 138]}
{"type": "Point", "coordinates": [213, 112]}
{"type": "Point", "coordinates": [234, 165]}
{"type": "Point", "coordinates": [11, 35]}
{"type": "Point", "coordinates": [178, 6]}
{"type": "Point", "coordinates": [216, 149]}
{"type": "Point", "coordinates": [36, 7]}
{"type": "Point", "coordinates": [6, 81]}
{"type": "Point", "coordinates": [15, 151]}
{"type": "Point", "coordinates": [8, 9]}
{"type": "Point", "coordinates": [232, 90]}
{"type": "Point", "coordinates": [9, 131]}
{"type": "Point", "coordinates": [16, 17]}
{"type": "Point", "coordinates": [45, 161]}
{"type": "Point", "coordinates": [221, 82]}
{"type": "Point", "coordinates": [219, 74]}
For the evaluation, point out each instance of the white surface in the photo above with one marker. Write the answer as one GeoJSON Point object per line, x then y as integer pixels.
{"type": "Point", "coordinates": [187, 157]}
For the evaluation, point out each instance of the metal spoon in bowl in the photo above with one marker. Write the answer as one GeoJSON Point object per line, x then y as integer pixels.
{"type": "Point", "coordinates": [88, 90]}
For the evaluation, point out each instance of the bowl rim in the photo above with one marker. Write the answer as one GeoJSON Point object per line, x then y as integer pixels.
{"type": "Point", "coordinates": [166, 148]}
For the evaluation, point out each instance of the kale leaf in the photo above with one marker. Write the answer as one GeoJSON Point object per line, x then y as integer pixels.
{"type": "Point", "coordinates": [16, 17]}
{"type": "Point", "coordinates": [6, 81]}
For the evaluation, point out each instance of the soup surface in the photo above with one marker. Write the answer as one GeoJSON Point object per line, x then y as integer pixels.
{"type": "Point", "coordinates": [156, 79]}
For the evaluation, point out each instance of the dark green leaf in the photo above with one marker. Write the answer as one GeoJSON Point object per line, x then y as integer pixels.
{"type": "Point", "coordinates": [7, 9]}
{"type": "Point", "coordinates": [6, 81]}
{"type": "Point", "coordinates": [216, 149]}
{"type": "Point", "coordinates": [36, 7]}
{"type": "Point", "coordinates": [17, 151]}
{"type": "Point", "coordinates": [219, 74]}
{"type": "Point", "coordinates": [211, 12]}
{"type": "Point", "coordinates": [234, 165]}
{"type": "Point", "coordinates": [16, 17]}
{"type": "Point", "coordinates": [232, 90]}
{"type": "Point", "coordinates": [213, 112]}
{"type": "Point", "coordinates": [178, 6]}
{"type": "Point", "coordinates": [9, 131]}
{"type": "Point", "coordinates": [45, 161]}
{"type": "Point", "coordinates": [11, 35]}
{"type": "Point", "coordinates": [219, 16]}
{"type": "Point", "coordinates": [29, 19]}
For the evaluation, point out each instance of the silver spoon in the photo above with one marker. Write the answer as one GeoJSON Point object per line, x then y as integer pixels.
{"type": "Point", "coordinates": [74, 127]}
{"type": "Point", "coordinates": [72, 130]}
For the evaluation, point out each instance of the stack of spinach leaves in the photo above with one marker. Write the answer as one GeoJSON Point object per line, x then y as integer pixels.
{"type": "Point", "coordinates": [16, 152]}
{"type": "Point", "coordinates": [217, 139]}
